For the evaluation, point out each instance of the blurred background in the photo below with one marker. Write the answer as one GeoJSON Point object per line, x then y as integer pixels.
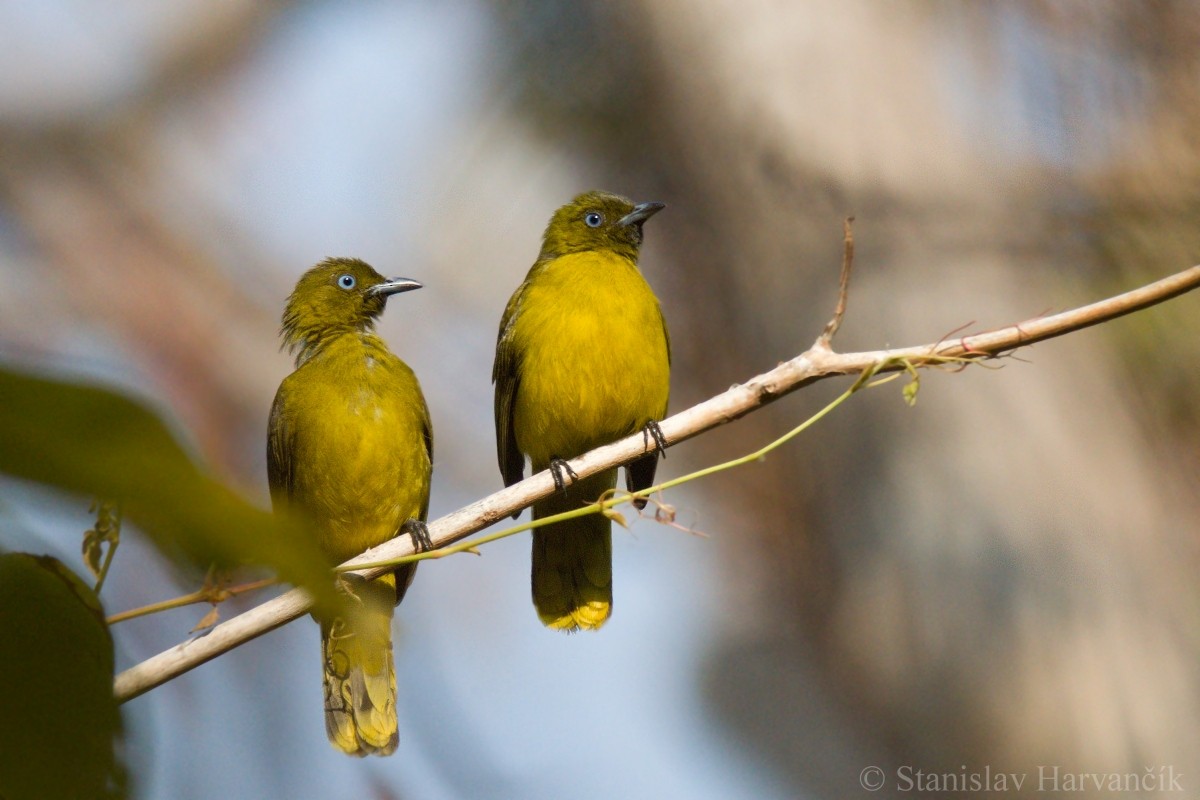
{"type": "Point", "coordinates": [1001, 577]}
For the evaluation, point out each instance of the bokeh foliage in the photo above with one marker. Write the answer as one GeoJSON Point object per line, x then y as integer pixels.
{"type": "Point", "coordinates": [99, 443]}
{"type": "Point", "coordinates": [59, 722]}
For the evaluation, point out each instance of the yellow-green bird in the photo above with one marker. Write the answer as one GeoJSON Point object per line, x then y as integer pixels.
{"type": "Point", "coordinates": [582, 359]}
{"type": "Point", "coordinates": [350, 448]}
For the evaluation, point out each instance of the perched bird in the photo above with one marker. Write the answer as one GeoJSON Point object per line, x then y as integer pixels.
{"type": "Point", "coordinates": [582, 359]}
{"type": "Point", "coordinates": [350, 448]}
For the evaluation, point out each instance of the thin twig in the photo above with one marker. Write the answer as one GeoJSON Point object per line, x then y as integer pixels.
{"type": "Point", "coordinates": [205, 595]}
{"type": "Point", "coordinates": [825, 340]}
{"type": "Point", "coordinates": [802, 370]}
{"type": "Point", "coordinates": [106, 536]}
{"type": "Point", "coordinates": [108, 559]}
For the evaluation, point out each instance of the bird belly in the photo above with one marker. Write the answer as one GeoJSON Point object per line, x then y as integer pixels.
{"type": "Point", "coordinates": [362, 499]}
{"type": "Point", "coordinates": [361, 464]}
{"type": "Point", "coordinates": [592, 370]}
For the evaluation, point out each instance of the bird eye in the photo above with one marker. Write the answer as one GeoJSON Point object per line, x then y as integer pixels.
{"type": "Point", "coordinates": [593, 219]}
{"type": "Point", "coordinates": [347, 281]}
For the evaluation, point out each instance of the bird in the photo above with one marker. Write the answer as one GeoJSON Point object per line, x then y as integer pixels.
{"type": "Point", "coordinates": [350, 451]}
{"type": "Point", "coordinates": [583, 358]}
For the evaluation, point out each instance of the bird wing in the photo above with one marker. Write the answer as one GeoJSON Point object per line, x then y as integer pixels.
{"type": "Point", "coordinates": [505, 374]}
{"type": "Point", "coordinates": [279, 449]}
{"type": "Point", "coordinates": [666, 336]}
{"type": "Point", "coordinates": [427, 433]}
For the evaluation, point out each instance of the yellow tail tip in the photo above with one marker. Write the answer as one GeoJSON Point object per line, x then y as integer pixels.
{"type": "Point", "coordinates": [357, 741]}
{"type": "Point", "coordinates": [587, 617]}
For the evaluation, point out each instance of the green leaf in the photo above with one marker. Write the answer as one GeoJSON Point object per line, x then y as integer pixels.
{"type": "Point", "coordinates": [59, 721]}
{"type": "Point", "coordinates": [96, 442]}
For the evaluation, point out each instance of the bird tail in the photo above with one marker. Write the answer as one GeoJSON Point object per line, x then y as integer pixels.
{"type": "Point", "coordinates": [360, 679]}
{"type": "Point", "coordinates": [572, 560]}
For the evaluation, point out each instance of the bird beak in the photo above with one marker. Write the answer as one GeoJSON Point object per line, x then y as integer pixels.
{"type": "Point", "coordinates": [394, 286]}
{"type": "Point", "coordinates": [641, 212]}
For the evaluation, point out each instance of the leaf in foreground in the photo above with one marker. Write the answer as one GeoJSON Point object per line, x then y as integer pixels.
{"type": "Point", "coordinates": [58, 718]}
{"type": "Point", "coordinates": [96, 442]}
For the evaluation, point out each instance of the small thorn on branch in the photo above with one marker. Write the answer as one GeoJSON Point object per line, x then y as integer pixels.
{"type": "Point", "coordinates": [825, 340]}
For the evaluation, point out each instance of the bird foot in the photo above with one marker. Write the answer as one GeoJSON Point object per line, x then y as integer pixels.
{"type": "Point", "coordinates": [651, 430]}
{"type": "Point", "coordinates": [419, 532]}
{"type": "Point", "coordinates": [560, 470]}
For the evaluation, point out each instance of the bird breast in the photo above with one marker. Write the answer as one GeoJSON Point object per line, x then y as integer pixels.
{"type": "Point", "coordinates": [593, 356]}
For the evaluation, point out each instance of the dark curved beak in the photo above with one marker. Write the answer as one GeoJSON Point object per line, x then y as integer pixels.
{"type": "Point", "coordinates": [394, 286]}
{"type": "Point", "coordinates": [641, 212]}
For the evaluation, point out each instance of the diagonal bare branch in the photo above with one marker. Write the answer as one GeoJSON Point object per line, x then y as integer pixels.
{"type": "Point", "coordinates": [808, 367]}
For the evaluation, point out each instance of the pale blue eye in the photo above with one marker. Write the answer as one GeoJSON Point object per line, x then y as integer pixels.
{"type": "Point", "coordinates": [593, 219]}
{"type": "Point", "coordinates": [347, 281]}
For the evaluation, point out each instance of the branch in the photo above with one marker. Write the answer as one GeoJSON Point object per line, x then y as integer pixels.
{"type": "Point", "coordinates": [206, 594]}
{"type": "Point", "coordinates": [825, 340]}
{"type": "Point", "coordinates": [815, 364]}
{"type": "Point", "coordinates": [612, 498]}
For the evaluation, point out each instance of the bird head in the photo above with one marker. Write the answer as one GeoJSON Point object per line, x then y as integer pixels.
{"type": "Point", "coordinates": [337, 295]}
{"type": "Point", "coordinates": [597, 221]}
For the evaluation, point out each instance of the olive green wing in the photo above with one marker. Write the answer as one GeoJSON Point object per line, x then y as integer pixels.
{"type": "Point", "coordinates": [666, 335]}
{"type": "Point", "coordinates": [405, 573]}
{"type": "Point", "coordinates": [506, 375]}
{"type": "Point", "coordinates": [427, 433]}
{"type": "Point", "coordinates": [640, 474]}
{"type": "Point", "coordinates": [279, 451]}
